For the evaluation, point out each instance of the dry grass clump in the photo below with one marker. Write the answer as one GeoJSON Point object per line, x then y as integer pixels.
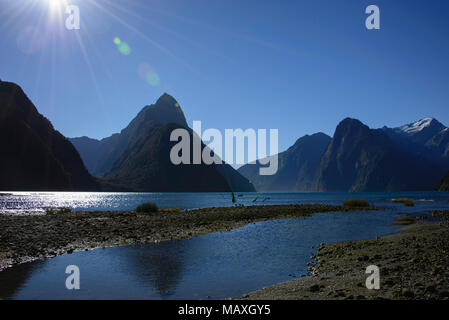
{"type": "Point", "coordinates": [355, 203]}
{"type": "Point", "coordinates": [406, 201]}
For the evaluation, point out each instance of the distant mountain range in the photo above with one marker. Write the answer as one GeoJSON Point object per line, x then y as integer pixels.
{"type": "Point", "coordinates": [37, 157]}
{"type": "Point", "coordinates": [359, 159]}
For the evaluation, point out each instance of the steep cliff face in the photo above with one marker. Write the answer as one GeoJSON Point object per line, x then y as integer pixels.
{"type": "Point", "coordinates": [34, 155]}
{"type": "Point", "coordinates": [443, 185]}
{"type": "Point", "coordinates": [357, 158]}
{"type": "Point", "coordinates": [100, 155]}
{"type": "Point", "coordinates": [146, 166]}
{"type": "Point", "coordinates": [362, 159]}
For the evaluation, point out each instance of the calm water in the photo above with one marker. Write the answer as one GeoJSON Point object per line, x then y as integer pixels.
{"type": "Point", "coordinates": [36, 202]}
{"type": "Point", "coordinates": [213, 266]}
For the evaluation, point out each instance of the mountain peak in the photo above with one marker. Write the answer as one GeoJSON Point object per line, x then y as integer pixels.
{"type": "Point", "coordinates": [351, 121]}
{"type": "Point", "coordinates": [167, 99]}
{"type": "Point", "coordinates": [426, 124]}
{"type": "Point", "coordinates": [165, 110]}
{"type": "Point", "coordinates": [348, 125]}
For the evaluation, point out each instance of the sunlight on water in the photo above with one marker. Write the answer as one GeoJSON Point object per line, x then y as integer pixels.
{"type": "Point", "coordinates": [37, 202]}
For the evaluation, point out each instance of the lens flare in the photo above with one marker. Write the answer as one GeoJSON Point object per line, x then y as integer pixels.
{"type": "Point", "coordinates": [122, 47]}
{"type": "Point", "coordinates": [147, 73]}
{"type": "Point", "coordinates": [153, 79]}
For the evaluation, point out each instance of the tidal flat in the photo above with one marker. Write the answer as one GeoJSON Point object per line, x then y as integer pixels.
{"type": "Point", "coordinates": [28, 238]}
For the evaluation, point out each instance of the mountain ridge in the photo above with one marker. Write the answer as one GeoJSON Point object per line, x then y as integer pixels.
{"type": "Point", "coordinates": [358, 158]}
{"type": "Point", "coordinates": [296, 166]}
{"type": "Point", "coordinates": [39, 158]}
{"type": "Point", "coordinates": [100, 155]}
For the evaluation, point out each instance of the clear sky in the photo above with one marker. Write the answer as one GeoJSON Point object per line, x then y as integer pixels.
{"type": "Point", "coordinates": [297, 66]}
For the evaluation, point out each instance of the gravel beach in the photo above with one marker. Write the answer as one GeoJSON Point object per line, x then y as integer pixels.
{"type": "Point", "coordinates": [27, 238]}
{"type": "Point", "coordinates": [413, 264]}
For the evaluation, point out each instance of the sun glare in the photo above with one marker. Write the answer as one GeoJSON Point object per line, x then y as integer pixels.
{"type": "Point", "coordinates": [54, 4]}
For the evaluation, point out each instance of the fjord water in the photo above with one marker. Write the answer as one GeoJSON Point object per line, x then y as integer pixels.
{"type": "Point", "coordinates": [213, 266]}
{"type": "Point", "coordinates": [217, 265]}
{"type": "Point", "coordinates": [37, 202]}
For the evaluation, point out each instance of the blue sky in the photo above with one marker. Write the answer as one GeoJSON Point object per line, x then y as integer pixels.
{"type": "Point", "coordinates": [297, 66]}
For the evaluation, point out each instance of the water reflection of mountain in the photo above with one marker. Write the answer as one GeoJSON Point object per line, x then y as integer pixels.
{"type": "Point", "coordinates": [160, 265]}
{"type": "Point", "coordinates": [12, 279]}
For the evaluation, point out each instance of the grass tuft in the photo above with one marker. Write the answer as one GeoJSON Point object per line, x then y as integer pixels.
{"type": "Point", "coordinates": [58, 210]}
{"type": "Point", "coordinates": [355, 203]}
{"type": "Point", "coordinates": [170, 210]}
{"type": "Point", "coordinates": [406, 201]}
{"type": "Point", "coordinates": [147, 208]}
{"type": "Point", "coordinates": [403, 221]}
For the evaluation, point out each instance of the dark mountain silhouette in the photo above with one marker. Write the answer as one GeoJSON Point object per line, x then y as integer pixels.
{"type": "Point", "coordinates": [139, 156]}
{"type": "Point", "coordinates": [36, 157]}
{"type": "Point", "coordinates": [412, 157]}
{"type": "Point", "coordinates": [146, 166]}
{"type": "Point", "coordinates": [363, 159]}
{"type": "Point", "coordinates": [297, 166]}
{"type": "Point", "coordinates": [443, 185]}
{"type": "Point", "coordinates": [100, 155]}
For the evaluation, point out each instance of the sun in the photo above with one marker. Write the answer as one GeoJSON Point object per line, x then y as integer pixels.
{"type": "Point", "coordinates": [54, 4]}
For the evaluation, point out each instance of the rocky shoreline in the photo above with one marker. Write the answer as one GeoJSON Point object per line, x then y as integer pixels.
{"type": "Point", "coordinates": [28, 238]}
{"type": "Point", "coordinates": [413, 264]}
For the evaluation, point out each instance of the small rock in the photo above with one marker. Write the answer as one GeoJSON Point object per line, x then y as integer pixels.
{"type": "Point", "coordinates": [363, 258]}
{"type": "Point", "coordinates": [431, 289]}
{"type": "Point", "coordinates": [314, 288]}
{"type": "Point", "coordinates": [389, 282]}
{"type": "Point", "coordinates": [407, 293]}
{"type": "Point", "coordinates": [444, 294]}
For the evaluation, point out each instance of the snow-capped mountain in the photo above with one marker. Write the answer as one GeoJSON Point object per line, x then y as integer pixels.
{"type": "Point", "coordinates": [428, 137]}
{"type": "Point", "coordinates": [421, 125]}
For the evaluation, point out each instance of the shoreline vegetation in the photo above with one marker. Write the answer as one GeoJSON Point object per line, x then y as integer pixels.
{"type": "Point", "coordinates": [28, 238]}
{"type": "Point", "coordinates": [413, 263]}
